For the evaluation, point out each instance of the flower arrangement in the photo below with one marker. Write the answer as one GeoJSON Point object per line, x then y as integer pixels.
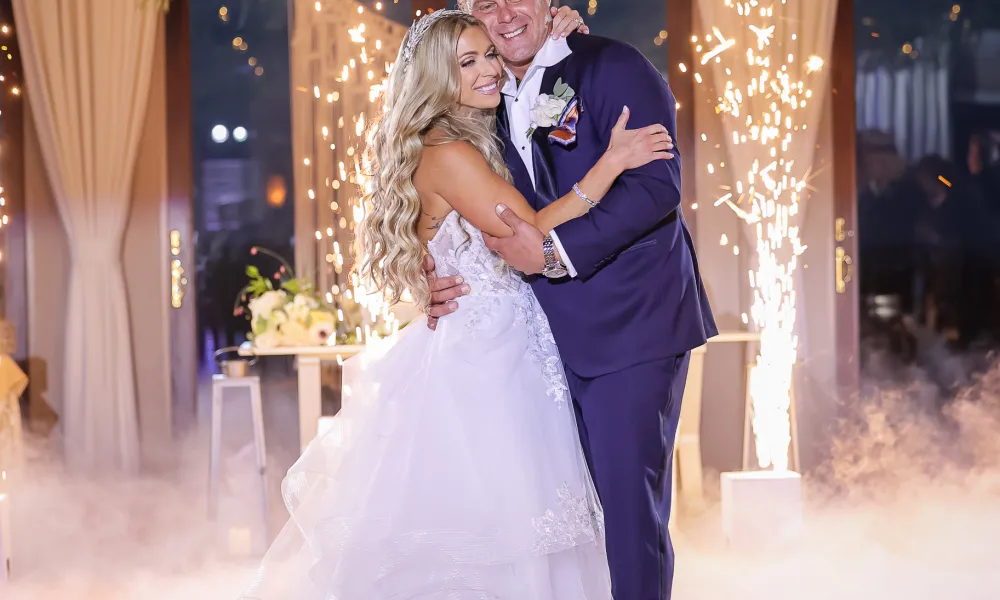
{"type": "Point", "coordinates": [287, 315]}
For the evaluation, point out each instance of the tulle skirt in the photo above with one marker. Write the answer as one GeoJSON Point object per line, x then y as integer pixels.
{"type": "Point", "coordinates": [453, 472]}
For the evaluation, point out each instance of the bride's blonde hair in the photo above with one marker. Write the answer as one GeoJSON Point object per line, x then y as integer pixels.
{"type": "Point", "coordinates": [422, 93]}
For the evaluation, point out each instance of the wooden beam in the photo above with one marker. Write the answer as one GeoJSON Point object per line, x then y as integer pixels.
{"type": "Point", "coordinates": [680, 25]}
{"type": "Point", "coordinates": [180, 212]}
{"type": "Point", "coordinates": [842, 103]}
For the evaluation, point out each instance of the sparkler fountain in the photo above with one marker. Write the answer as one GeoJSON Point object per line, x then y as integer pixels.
{"type": "Point", "coordinates": [766, 107]}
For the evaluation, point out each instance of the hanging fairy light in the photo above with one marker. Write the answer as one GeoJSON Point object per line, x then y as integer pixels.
{"type": "Point", "coordinates": [13, 90]}
{"type": "Point", "coordinates": [763, 113]}
{"type": "Point", "coordinates": [343, 106]}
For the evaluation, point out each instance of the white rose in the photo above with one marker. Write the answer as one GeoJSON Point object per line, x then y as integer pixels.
{"type": "Point", "coordinates": [266, 303]}
{"type": "Point", "coordinates": [306, 301]}
{"type": "Point", "coordinates": [297, 312]}
{"type": "Point", "coordinates": [546, 111]}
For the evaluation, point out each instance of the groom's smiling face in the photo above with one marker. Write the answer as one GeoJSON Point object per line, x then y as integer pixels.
{"type": "Point", "coordinates": [517, 27]}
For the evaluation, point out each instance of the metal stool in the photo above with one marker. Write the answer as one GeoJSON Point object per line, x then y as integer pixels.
{"type": "Point", "coordinates": [252, 385]}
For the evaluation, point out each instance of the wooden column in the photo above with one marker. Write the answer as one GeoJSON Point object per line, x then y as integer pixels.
{"type": "Point", "coordinates": [843, 107]}
{"type": "Point", "coordinates": [180, 213]}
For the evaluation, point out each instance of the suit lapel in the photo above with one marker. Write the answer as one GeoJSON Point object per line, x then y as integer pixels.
{"type": "Point", "coordinates": [542, 163]}
{"type": "Point", "coordinates": [518, 170]}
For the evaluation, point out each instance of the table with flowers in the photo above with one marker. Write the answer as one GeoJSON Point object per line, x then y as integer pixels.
{"type": "Point", "coordinates": [287, 318]}
{"type": "Point", "coordinates": [310, 384]}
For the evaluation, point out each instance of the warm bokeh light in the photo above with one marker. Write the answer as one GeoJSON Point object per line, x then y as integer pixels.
{"type": "Point", "coordinates": [343, 107]}
{"type": "Point", "coordinates": [276, 191]}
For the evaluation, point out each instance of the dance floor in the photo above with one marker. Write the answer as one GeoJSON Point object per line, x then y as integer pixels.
{"type": "Point", "coordinates": [914, 526]}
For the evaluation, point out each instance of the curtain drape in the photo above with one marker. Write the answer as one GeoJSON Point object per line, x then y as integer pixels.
{"type": "Point", "coordinates": [87, 66]}
{"type": "Point", "coordinates": [801, 29]}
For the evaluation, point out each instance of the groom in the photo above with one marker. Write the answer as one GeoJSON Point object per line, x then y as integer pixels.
{"type": "Point", "coordinates": [620, 286]}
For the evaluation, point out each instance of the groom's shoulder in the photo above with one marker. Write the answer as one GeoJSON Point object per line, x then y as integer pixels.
{"type": "Point", "coordinates": [604, 51]}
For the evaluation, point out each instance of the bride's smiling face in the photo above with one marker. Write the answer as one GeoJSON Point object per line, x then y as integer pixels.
{"type": "Point", "coordinates": [482, 72]}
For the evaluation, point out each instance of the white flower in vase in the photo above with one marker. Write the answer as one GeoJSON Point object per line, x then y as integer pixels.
{"type": "Point", "coordinates": [305, 301]}
{"type": "Point", "coordinates": [267, 303]}
{"type": "Point", "coordinates": [297, 312]}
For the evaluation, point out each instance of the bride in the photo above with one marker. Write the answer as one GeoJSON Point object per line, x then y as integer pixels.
{"type": "Point", "coordinates": [454, 470]}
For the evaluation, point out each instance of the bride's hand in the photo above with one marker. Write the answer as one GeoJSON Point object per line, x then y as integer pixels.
{"type": "Point", "coordinates": [565, 21]}
{"type": "Point", "coordinates": [633, 148]}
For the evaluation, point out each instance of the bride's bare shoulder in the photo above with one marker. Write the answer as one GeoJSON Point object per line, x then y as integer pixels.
{"type": "Point", "coordinates": [447, 161]}
{"type": "Point", "coordinates": [438, 149]}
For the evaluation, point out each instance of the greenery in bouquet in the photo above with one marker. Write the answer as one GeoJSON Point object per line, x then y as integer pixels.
{"type": "Point", "coordinates": [282, 309]}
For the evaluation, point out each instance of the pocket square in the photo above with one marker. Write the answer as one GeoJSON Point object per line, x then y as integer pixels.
{"type": "Point", "coordinates": [564, 131]}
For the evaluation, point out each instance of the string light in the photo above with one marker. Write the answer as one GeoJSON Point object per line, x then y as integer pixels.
{"type": "Point", "coordinates": [763, 114]}
{"type": "Point", "coordinates": [15, 91]}
{"type": "Point", "coordinates": [343, 105]}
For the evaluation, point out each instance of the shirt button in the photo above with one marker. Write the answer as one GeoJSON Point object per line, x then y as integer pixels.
{"type": "Point", "coordinates": [522, 147]}
{"type": "Point", "coordinates": [515, 99]}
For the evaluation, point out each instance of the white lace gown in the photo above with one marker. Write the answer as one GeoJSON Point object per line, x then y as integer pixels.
{"type": "Point", "coordinates": [454, 470]}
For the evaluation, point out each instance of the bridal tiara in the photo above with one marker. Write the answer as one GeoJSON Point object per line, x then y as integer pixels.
{"type": "Point", "coordinates": [419, 28]}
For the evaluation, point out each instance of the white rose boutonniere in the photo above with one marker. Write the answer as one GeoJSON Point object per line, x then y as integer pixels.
{"type": "Point", "coordinates": [549, 107]}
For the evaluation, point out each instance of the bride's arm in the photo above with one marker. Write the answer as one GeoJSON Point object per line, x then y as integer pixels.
{"type": "Point", "coordinates": [460, 175]}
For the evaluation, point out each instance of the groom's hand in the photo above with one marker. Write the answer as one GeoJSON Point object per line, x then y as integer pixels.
{"type": "Point", "coordinates": [523, 250]}
{"type": "Point", "coordinates": [443, 290]}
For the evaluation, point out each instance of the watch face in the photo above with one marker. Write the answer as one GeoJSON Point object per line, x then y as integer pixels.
{"type": "Point", "coordinates": [555, 272]}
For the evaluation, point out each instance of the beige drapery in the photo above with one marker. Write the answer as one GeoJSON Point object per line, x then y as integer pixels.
{"type": "Point", "coordinates": [811, 24]}
{"type": "Point", "coordinates": [87, 66]}
{"type": "Point", "coordinates": [784, 34]}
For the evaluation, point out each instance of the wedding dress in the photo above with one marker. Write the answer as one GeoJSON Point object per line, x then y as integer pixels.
{"type": "Point", "coordinates": [454, 470]}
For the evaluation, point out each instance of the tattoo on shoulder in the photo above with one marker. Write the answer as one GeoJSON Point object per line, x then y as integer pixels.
{"type": "Point", "coordinates": [435, 222]}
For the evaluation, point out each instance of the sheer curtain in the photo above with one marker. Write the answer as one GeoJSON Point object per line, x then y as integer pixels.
{"type": "Point", "coordinates": [801, 28]}
{"type": "Point", "coordinates": [755, 54]}
{"type": "Point", "coordinates": [87, 67]}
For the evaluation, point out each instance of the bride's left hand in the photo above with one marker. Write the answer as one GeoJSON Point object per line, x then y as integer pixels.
{"type": "Point", "coordinates": [565, 21]}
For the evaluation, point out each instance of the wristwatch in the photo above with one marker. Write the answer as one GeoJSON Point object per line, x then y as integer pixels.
{"type": "Point", "coordinates": [554, 269]}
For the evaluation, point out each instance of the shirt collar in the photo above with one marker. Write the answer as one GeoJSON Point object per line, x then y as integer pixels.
{"type": "Point", "coordinates": [552, 53]}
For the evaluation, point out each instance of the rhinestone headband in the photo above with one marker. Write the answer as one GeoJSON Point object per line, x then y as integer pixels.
{"type": "Point", "coordinates": [419, 28]}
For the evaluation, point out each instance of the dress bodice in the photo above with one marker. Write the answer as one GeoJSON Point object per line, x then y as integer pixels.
{"type": "Point", "coordinates": [500, 297]}
{"type": "Point", "coordinates": [458, 249]}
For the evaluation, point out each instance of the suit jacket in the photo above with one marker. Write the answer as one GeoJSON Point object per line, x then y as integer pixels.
{"type": "Point", "coordinates": [638, 295]}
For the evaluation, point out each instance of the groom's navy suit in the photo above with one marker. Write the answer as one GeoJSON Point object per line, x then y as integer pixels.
{"type": "Point", "coordinates": [626, 323]}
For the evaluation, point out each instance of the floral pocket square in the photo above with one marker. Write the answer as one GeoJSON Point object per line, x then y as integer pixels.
{"type": "Point", "coordinates": [564, 131]}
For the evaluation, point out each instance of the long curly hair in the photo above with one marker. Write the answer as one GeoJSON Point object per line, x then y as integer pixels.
{"type": "Point", "coordinates": [419, 96]}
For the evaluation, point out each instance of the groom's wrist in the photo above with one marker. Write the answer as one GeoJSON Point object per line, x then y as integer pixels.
{"type": "Point", "coordinates": [564, 258]}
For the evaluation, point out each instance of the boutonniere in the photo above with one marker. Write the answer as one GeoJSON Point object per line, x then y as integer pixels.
{"type": "Point", "coordinates": [548, 108]}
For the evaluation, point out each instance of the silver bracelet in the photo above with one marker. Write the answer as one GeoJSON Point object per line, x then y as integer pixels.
{"type": "Point", "coordinates": [579, 192]}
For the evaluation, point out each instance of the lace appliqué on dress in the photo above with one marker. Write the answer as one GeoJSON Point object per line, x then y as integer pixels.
{"type": "Point", "coordinates": [458, 249]}
{"type": "Point", "coordinates": [577, 518]}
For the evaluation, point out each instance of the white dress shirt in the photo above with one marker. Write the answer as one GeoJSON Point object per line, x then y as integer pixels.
{"type": "Point", "coordinates": [520, 99]}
